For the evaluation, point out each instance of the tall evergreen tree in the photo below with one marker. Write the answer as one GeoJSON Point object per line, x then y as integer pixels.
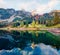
{"type": "Point", "coordinates": [33, 23]}
{"type": "Point", "coordinates": [56, 18]}
{"type": "Point", "coordinates": [21, 23]}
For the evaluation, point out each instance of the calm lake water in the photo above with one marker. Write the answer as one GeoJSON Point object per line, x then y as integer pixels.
{"type": "Point", "coordinates": [22, 39]}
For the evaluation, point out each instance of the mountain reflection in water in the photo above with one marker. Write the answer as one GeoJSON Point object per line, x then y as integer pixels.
{"type": "Point", "coordinates": [13, 41]}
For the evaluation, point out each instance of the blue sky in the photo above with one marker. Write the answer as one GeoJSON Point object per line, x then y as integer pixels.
{"type": "Point", "coordinates": [40, 6]}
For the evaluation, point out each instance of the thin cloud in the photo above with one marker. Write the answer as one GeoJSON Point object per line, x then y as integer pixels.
{"type": "Point", "coordinates": [30, 5]}
{"type": "Point", "coordinates": [2, 3]}
{"type": "Point", "coordinates": [49, 6]}
{"type": "Point", "coordinates": [40, 8]}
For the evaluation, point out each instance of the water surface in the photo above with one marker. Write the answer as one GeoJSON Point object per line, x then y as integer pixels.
{"type": "Point", "coordinates": [21, 39]}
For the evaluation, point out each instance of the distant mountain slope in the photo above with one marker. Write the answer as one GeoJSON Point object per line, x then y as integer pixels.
{"type": "Point", "coordinates": [7, 13]}
{"type": "Point", "coordinates": [11, 15]}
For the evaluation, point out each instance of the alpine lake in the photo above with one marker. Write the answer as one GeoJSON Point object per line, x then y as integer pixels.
{"type": "Point", "coordinates": [21, 39]}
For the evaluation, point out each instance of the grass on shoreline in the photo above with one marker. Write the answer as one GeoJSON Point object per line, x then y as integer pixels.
{"type": "Point", "coordinates": [31, 27]}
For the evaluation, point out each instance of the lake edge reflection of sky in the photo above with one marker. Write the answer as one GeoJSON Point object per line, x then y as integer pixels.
{"type": "Point", "coordinates": [40, 49]}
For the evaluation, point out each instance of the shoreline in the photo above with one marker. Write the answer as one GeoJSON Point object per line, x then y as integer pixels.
{"type": "Point", "coordinates": [55, 31]}
{"type": "Point", "coordinates": [32, 29]}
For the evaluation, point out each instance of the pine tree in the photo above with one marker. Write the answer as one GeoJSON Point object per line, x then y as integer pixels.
{"type": "Point", "coordinates": [56, 18]}
{"type": "Point", "coordinates": [37, 22]}
{"type": "Point", "coordinates": [26, 23]}
{"type": "Point", "coordinates": [21, 23]}
{"type": "Point", "coordinates": [33, 23]}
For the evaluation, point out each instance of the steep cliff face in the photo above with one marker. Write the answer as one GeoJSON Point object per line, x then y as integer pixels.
{"type": "Point", "coordinates": [7, 13]}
